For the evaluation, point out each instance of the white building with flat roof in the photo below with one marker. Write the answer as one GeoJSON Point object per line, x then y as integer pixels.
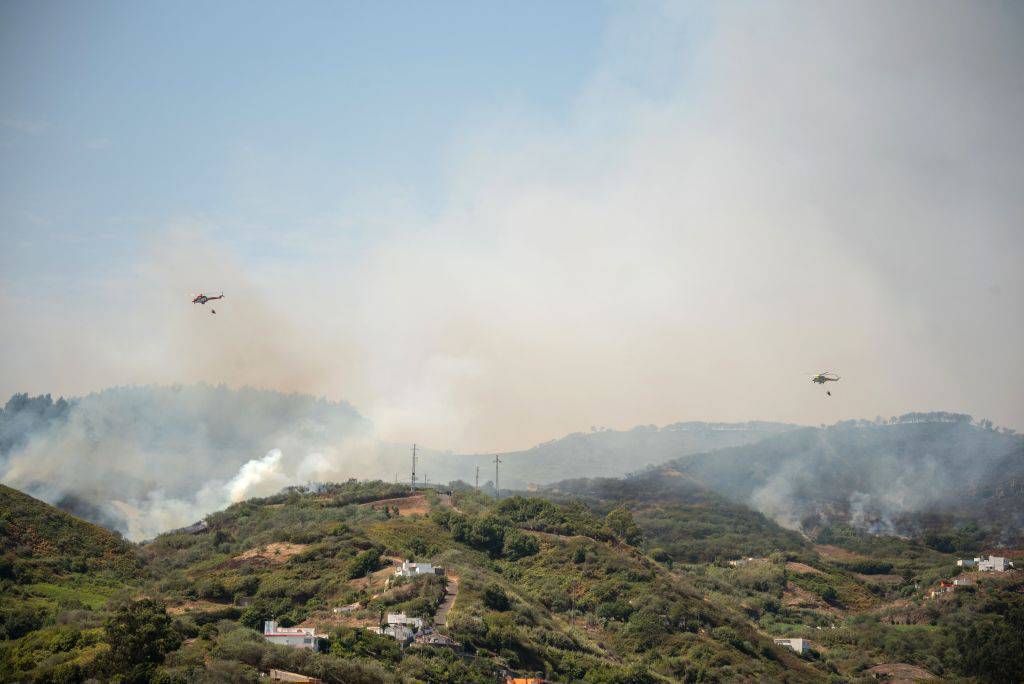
{"type": "Point", "coordinates": [990, 564]}
{"type": "Point", "coordinates": [798, 645]}
{"type": "Point", "coordinates": [410, 569]}
{"type": "Point", "coordinates": [402, 619]}
{"type": "Point", "coordinates": [399, 633]}
{"type": "Point", "coordinates": [297, 637]}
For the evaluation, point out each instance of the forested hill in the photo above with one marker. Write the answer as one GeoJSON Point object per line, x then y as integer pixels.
{"type": "Point", "coordinates": [625, 584]}
{"type": "Point", "coordinates": [681, 519]}
{"type": "Point", "coordinates": [897, 476]}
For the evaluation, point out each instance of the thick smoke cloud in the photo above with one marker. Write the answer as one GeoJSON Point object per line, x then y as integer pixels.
{"type": "Point", "coordinates": [148, 459]}
{"type": "Point", "coordinates": [742, 195]}
{"type": "Point", "coordinates": [879, 477]}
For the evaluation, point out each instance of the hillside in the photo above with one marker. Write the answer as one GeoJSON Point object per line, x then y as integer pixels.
{"type": "Point", "coordinates": [599, 585]}
{"type": "Point", "coordinates": [906, 476]}
{"type": "Point", "coordinates": [55, 570]}
{"type": "Point", "coordinates": [680, 518]}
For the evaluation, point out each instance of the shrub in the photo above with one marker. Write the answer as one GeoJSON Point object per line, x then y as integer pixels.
{"type": "Point", "coordinates": [519, 545]}
{"type": "Point", "coordinates": [364, 563]}
{"type": "Point", "coordinates": [495, 598]}
{"type": "Point", "coordinates": [140, 635]}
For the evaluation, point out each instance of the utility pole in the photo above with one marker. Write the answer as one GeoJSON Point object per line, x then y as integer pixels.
{"type": "Point", "coordinates": [497, 489]}
{"type": "Point", "coordinates": [478, 478]}
{"type": "Point", "coordinates": [412, 480]}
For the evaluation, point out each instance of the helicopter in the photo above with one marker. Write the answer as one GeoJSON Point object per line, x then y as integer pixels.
{"type": "Point", "coordinates": [826, 376]}
{"type": "Point", "coordinates": [202, 299]}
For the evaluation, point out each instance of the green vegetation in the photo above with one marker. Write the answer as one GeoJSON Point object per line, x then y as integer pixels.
{"type": "Point", "coordinates": [598, 581]}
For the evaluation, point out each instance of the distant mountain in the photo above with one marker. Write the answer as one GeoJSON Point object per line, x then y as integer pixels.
{"type": "Point", "coordinates": [609, 453]}
{"type": "Point", "coordinates": [881, 477]}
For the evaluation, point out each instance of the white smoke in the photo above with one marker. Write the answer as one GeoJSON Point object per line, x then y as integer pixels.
{"type": "Point", "coordinates": [145, 460]}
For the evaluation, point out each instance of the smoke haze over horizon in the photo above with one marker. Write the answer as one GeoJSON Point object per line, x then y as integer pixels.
{"type": "Point", "coordinates": [675, 211]}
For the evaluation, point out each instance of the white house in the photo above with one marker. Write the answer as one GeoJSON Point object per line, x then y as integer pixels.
{"type": "Point", "coordinates": [798, 645]}
{"type": "Point", "coordinates": [402, 619]}
{"type": "Point", "coordinates": [991, 564]}
{"type": "Point", "coordinates": [410, 569]}
{"type": "Point", "coordinates": [285, 676]}
{"type": "Point", "coordinates": [400, 633]}
{"type": "Point", "coordinates": [995, 564]}
{"type": "Point", "coordinates": [298, 637]}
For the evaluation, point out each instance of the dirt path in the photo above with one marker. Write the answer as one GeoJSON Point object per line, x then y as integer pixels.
{"type": "Point", "coordinates": [450, 594]}
{"type": "Point", "coordinates": [446, 502]}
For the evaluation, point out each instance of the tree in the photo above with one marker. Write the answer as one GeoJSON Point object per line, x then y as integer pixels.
{"type": "Point", "coordinates": [621, 523]}
{"type": "Point", "coordinates": [495, 598]}
{"type": "Point", "coordinates": [519, 545]}
{"type": "Point", "coordinates": [579, 555]}
{"type": "Point", "coordinates": [364, 563]}
{"type": "Point", "coordinates": [487, 535]}
{"type": "Point", "coordinates": [140, 635]}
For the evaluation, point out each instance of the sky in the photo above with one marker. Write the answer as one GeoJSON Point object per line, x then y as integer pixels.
{"type": "Point", "coordinates": [487, 224]}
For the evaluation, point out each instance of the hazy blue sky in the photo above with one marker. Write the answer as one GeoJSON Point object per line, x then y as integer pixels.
{"type": "Point", "coordinates": [488, 224]}
{"type": "Point", "coordinates": [119, 116]}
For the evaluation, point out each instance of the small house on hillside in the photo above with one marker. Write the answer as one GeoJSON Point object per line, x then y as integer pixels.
{"type": "Point", "coordinates": [799, 646]}
{"type": "Point", "coordinates": [297, 637]}
{"type": "Point", "coordinates": [285, 676]}
{"type": "Point", "coordinates": [400, 633]}
{"type": "Point", "coordinates": [402, 619]}
{"type": "Point", "coordinates": [410, 569]}
{"type": "Point", "coordinates": [990, 564]}
{"type": "Point", "coordinates": [995, 564]}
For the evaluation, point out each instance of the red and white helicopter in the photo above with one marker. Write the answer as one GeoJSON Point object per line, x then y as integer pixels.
{"type": "Point", "coordinates": [202, 299]}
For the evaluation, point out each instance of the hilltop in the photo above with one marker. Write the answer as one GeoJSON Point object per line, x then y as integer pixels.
{"type": "Point", "coordinates": [603, 452]}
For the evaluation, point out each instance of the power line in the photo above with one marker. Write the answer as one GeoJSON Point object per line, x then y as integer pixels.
{"type": "Point", "coordinates": [497, 488]}
{"type": "Point", "coordinates": [412, 480]}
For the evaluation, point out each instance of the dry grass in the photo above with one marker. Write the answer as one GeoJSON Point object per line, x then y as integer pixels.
{"type": "Point", "coordinates": [899, 672]}
{"type": "Point", "coordinates": [195, 606]}
{"type": "Point", "coordinates": [834, 553]}
{"type": "Point", "coordinates": [802, 569]}
{"type": "Point", "coordinates": [276, 552]}
{"type": "Point", "coordinates": [406, 505]}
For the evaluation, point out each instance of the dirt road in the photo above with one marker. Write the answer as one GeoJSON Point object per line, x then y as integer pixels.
{"type": "Point", "coordinates": [451, 593]}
